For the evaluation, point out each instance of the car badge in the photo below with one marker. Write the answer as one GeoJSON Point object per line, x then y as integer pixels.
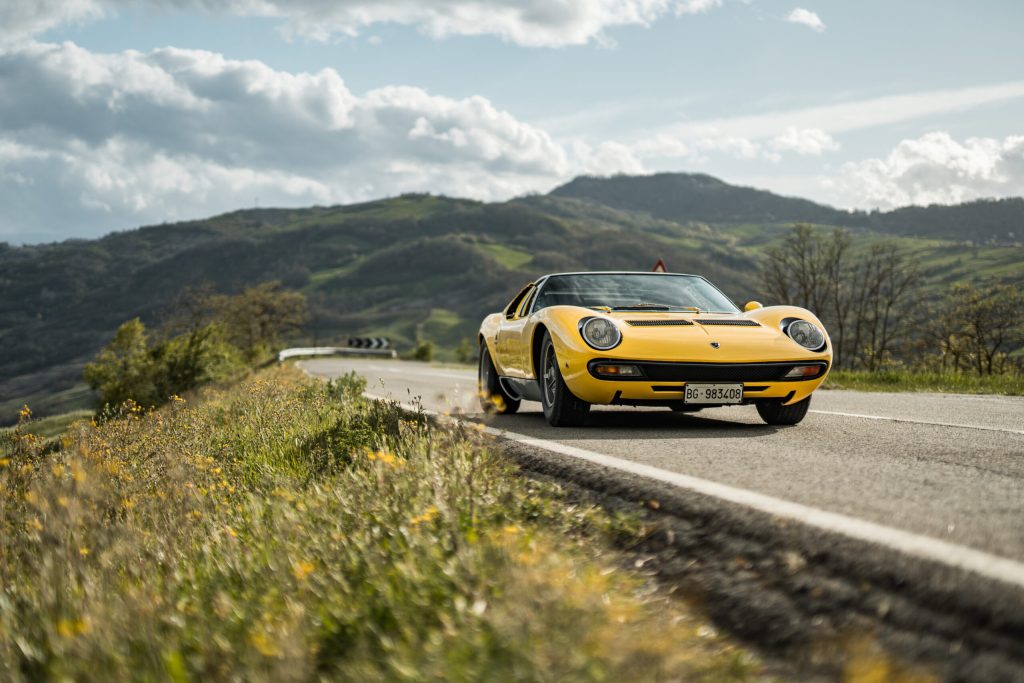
{"type": "Point", "coordinates": [715, 345]}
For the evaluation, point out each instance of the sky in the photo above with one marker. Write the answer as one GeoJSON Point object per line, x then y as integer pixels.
{"type": "Point", "coordinates": [120, 113]}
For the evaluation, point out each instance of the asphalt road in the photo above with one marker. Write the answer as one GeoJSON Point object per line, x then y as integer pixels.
{"type": "Point", "coordinates": [941, 466]}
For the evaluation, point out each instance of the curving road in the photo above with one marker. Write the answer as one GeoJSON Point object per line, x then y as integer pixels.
{"type": "Point", "coordinates": [898, 515]}
{"type": "Point", "coordinates": [946, 467]}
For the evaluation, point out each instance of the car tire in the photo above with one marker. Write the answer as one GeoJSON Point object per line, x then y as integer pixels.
{"type": "Point", "coordinates": [775, 413]}
{"type": "Point", "coordinates": [493, 398]}
{"type": "Point", "coordinates": [561, 407]}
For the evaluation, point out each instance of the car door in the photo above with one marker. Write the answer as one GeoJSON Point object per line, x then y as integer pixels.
{"type": "Point", "coordinates": [524, 336]}
{"type": "Point", "coordinates": [507, 341]}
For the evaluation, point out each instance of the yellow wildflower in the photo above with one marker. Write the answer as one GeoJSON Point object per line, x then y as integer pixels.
{"type": "Point", "coordinates": [428, 516]}
{"type": "Point", "coordinates": [4, 462]}
{"type": "Point", "coordinates": [57, 470]}
{"type": "Point", "coordinates": [263, 644]}
{"type": "Point", "coordinates": [385, 457]}
{"type": "Point", "coordinates": [303, 569]}
{"type": "Point", "coordinates": [25, 414]}
{"type": "Point", "coordinates": [69, 629]}
{"type": "Point", "coordinates": [83, 551]}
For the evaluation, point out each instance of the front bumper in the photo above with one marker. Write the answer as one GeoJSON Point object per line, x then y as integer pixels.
{"type": "Point", "coordinates": [662, 383]}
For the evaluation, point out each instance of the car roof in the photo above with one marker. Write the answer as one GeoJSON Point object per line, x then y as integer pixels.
{"type": "Point", "coordinates": [614, 272]}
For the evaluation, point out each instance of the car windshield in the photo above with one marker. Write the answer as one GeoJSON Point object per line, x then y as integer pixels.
{"type": "Point", "coordinates": [634, 291]}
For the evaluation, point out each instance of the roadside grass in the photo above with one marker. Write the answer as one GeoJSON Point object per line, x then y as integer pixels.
{"type": "Point", "coordinates": [941, 382]}
{"type": "Point", "coordinates": [290, 530]}
{"type": "Point", "coordinates": [46, 401]}
{"type": "Point", "coordinates": [52, 426]}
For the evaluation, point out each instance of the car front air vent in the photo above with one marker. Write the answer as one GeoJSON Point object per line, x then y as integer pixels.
{"type": "Point", "coordinates": [658, 323]}
{"type": "Point", "coordinates": [735, 323]}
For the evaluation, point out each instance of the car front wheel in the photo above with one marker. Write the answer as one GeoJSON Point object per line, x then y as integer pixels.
{"type": "Point", "coordinates": [561, 407]}
{"type": "Point", "coordinates": [775, 413]}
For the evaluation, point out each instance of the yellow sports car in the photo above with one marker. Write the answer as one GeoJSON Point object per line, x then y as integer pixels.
{"type": "Point", "coordinates": [571, 340]}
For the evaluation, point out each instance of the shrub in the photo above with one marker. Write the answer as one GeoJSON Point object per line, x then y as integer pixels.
{"type": "Point", "coordinates": [423, 351]}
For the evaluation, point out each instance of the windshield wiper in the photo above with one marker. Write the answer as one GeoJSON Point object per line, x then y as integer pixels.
{"type": "Point", "coordinates": [633, 307]}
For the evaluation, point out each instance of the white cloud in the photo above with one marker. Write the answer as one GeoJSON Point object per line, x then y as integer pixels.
{"type": "Point", "coordinates": [803, 141]}
{"type": "Point", "coordinates": [20, 20]}
{"type": "Point", "coordinates": [936, 169]}
{"type": "Point", "coordinates": [806, 141]}
{"type": "Point", "coordinates": [534, 23]}
{"type": "Point", "coordinates": [849, 116]}
{"type": "Point", "coordinates": [606, 159]}
{"type": "Point", "coordinates": [807, 18]}
{"type": "Point", "coordinates": [101, 142]}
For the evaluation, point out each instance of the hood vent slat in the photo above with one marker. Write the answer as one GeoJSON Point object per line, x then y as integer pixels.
{"type": "Point", "coordinates": [736, 323]}
{"type": "Point", "coordinates": [659, 323]}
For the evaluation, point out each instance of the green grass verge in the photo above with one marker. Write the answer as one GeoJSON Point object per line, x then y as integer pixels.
{"type": "Point", "coordinates": [48, 402]}
{"type": "Point", "coordinates": [286, 529]}
{"type": "Point", "coordinates": [941, 382]}
{"type": "Point", "coordinates": [52, 426]}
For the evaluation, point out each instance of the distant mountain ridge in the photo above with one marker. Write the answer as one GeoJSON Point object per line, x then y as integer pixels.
{"type": "Point", "coordinates": [696, 197]}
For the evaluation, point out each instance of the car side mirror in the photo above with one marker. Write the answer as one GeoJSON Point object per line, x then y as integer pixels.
{"type": "Point", "coordinates": [752, 306]}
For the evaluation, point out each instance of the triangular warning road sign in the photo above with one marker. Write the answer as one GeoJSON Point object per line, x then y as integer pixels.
{"type": "Point", "coordinates": [659, 267]}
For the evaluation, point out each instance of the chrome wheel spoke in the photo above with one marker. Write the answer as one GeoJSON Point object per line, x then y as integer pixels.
{"type": "Point", "coordinates": [550, 378]}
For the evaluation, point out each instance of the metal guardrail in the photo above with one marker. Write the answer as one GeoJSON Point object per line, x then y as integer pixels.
{"type": "Point", "coordinates": [333, 351]}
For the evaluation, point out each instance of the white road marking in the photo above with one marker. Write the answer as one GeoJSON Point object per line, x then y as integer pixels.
{"type": "Point", "coordinates": [905, 542]}
{"type": "Point", "coordinates": [919, 422]}
{"type": "Point", "coordinates": [423, 371]}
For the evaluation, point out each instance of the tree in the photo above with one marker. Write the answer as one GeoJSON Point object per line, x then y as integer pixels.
{"type": "Point", "coordinates": [884, 279]}
{"type": "Point", "coordinates": [860, 297]}
{"type": "Point", "coordinates": [466, 352]}
{"type": "Point", "coordinates": [255, 320]}
{"type": "Point", "coordinates": [974, 328]}
{"type": "Point", "coordinates": [124, 369]}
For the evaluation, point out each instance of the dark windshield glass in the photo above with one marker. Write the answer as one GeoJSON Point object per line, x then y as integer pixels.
{"type": "Point", "coordinates": [634, 291]}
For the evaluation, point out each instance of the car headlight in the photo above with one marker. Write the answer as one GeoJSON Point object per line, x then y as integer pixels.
{"type": "Point", "coordinates": [600, 333]}
{"type": "Point", "coordinates": [804, 333]}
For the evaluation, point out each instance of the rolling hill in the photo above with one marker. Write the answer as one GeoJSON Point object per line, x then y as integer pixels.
{"type": "Point", "coordinates": [411, 267]}
{"type": "Point", "coordinates": [687, 197]}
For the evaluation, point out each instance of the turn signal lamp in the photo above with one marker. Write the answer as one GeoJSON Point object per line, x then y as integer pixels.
{"type": "Point", "coordinates": [617, 370]}
{"type": "Point", "coordinates": [803, 372]}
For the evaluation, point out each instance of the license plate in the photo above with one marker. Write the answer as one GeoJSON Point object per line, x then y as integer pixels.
{"type": "Point", "coordinates": [713, 393]}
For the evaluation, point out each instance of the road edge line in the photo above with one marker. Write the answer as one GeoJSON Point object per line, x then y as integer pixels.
{"type": "Point", "coordinates": [918, 422]}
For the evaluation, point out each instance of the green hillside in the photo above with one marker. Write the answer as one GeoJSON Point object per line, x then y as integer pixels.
{"type": "Point", "coordinates": [413, 267]}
